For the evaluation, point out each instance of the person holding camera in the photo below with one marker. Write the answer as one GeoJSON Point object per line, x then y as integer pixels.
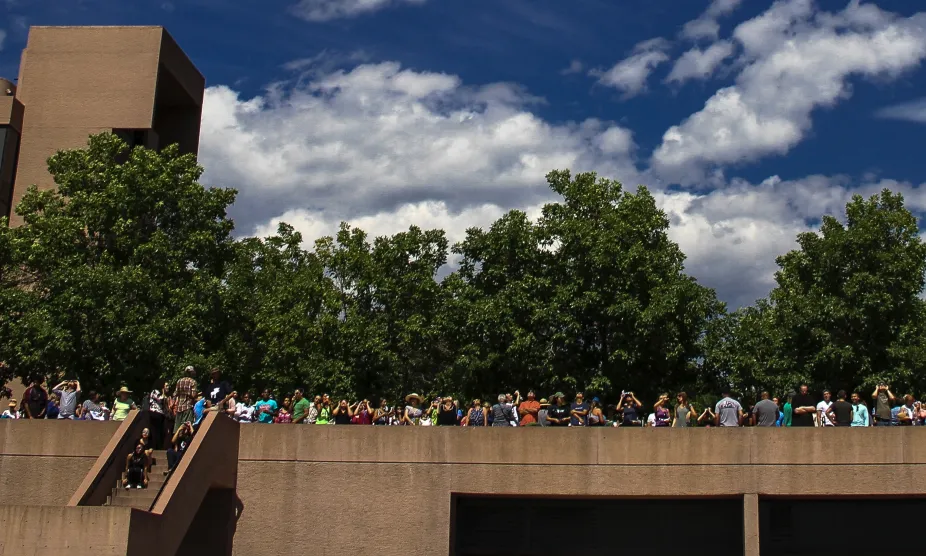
{"type": "Point", "coordinates": [629, 410]}
{"type": "Point", "coordinates": [179, 444]}
{"type": "Point", "coordinates": [884, 400]}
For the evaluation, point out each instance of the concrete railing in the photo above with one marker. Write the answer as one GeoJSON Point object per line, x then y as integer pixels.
{"type": "Point", "coordinates": [98, 483]}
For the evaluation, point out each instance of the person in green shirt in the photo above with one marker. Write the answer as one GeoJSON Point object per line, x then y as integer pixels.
{"type": "Point", "coordinates": [300, 407]}
{"type": "Point", "coordinates": [788, 411]}
{"type": "Point", "coordinates": [122, 405]}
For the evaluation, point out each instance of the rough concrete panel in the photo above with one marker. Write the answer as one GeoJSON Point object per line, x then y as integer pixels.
{"type": "Point", "coordinates": [645, 446]}
{"type": "Point", "coordinates": [751, 525]}
{"type": "Point", "coordinates": [11, 112]}
{"type": "Point", "coordinates": [324, 517]}
{"type": "Point", "coordinates": [34, 530]}
{"type": "Point", "coordinates": [41, 480]}
{"type": "Point", "coordinates": [63, 438]}
{"type": "Point", "coordinates": [532, 445]}
{"type": "Point", "coordinates": [826, 445]}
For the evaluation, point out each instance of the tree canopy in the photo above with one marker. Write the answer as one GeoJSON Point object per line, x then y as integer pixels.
{"type": "Point", "coordinates": [129, 271]}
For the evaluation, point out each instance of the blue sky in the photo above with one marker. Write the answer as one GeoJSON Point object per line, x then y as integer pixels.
{"type": "Point", "coordinates": [748, 119]}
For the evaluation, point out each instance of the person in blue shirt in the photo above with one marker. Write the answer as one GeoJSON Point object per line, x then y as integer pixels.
{"type": "Point", "coordinates": [860, 415]}
{"type": "Point", "coordinates": [265, 407]}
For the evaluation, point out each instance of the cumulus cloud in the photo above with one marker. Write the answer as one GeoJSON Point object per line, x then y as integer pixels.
{"type": "Point", "coordinates": [732, 235]}
{"type": "Point", "coordinates": [706, 26]}
{"type": "Point", "coordinates": [699, 64]}
{"type": "Point", "coordinates": [327, 10]}
{"type": "Point", "coordinates": [914, 111]}
{"type": "Point", "coordinates": [794, 61]}
{"type": "Point", "coordinates": [630, 74]}
{"type": "Point", "coordinates": [378, 137]}
{"type": "Point", "coordinates": [384, 147]}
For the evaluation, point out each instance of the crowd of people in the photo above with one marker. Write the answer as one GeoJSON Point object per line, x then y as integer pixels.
{"type": "Point", "coordinates": [180, 408]}
{"type": "Point", "coordinates": [175, 412]}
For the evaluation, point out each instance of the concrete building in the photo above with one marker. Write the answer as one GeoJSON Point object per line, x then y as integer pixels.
{"type": "Point", "coordinates": [78, 81]}
{"type": "Point", "coordinates": [447, 490]}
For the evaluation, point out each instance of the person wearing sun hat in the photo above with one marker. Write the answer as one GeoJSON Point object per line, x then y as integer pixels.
{"type": "Point", "coordinates": [413, 412]}
{"type": "Point", "coordinates": [123, 404]}
{"type": "Point", "coordinates": [542, 414]}
{"type": "Point", "coordinates": [11, 412]}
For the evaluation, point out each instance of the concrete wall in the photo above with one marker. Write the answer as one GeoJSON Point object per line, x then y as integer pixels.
{"type": "Point", "coordinates": [43, 462]}
{"type": "Point", "coordinates": [340, 474]}
{"type": "Point", "coordinates": [328, 485]}
{"type": "Point", "coordinates": [79, 81]}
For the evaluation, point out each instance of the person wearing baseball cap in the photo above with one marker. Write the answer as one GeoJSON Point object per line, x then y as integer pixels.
{"type": "Point", "coordinates": [558, 414]}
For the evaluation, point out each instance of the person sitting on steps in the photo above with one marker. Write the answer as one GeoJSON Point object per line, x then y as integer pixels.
{"type": "Point", "coordinates": [136, 469]}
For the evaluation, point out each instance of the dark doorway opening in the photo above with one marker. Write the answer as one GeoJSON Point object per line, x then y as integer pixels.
{"type": "Point", "coordinates": [797, 527]}
{"type": "Point", "coordinates": [485, 526]}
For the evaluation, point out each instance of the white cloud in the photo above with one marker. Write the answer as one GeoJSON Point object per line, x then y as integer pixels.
{"type": "Point", "coordinates": [700, 64]}
{"type": "Point", "coordinates": [913, 111]}
{"type": "Point", "coordinates": [630, 74]}
{"type": "Point", "coordinates": [706, 26]}
{"type": "Point", "coordinates": [792, 64]}
{"type": "Point", "coordinates": [377, 137]}
{"type": "Point", "coordinates": [384, 147]}
{"type": "Point", "coordinates": [327, 10]}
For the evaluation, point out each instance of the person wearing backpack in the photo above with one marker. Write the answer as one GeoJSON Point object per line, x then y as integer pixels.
{"type": "Point", "coordinates": [36, 400]}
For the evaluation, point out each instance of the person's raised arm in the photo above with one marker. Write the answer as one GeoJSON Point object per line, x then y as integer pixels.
{"type": "Point", "coordinates": [874, 395]}
{"type": "Point", "coordinates": [890, 394]}
{"type": "Point", "coordinates": [78, 389]}
{"type": "Point", "coordinates": [59, 386]}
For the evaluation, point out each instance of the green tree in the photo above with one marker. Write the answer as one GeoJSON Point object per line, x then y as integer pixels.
{"type": "Point", "coordinates": [593, 296]}
{"type": "Point", "coordinates": [845, 313]}
{"type": "Point", "coordinates": [116, 276]}
{"type": "Point", "coordinates": [847, 302]}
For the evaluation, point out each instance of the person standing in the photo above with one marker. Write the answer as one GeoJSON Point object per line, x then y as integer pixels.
{"type": "Point", "coordinates": [502, 413]}
{"type": "Point", "coordinates": [823, 409]}
{"type": "Point", "coordinates": [840, 412]}
{"type": "Point", "coordinates": [684, 412]}
{"type": "Point", "coordinates": [185, 394]}
{"type": "Point", "coordinates": [578, 411]}
{"type": "Point", "coordinates": [218, 390]}
{"type": "Point", "coordinates": [728, 412]}
{"type": "Point", "coordinates": [558, 414]}
{"type": "Point", "coordinates": [804, 408]}
{"type": "Point", "coordinates": [542, 413]}
{"type": "Point", "coordinates": [265, 408]}
{"type": "Point", "coordinates": [884, 400]}
{"type": "Point", "coordinates": [123, 404]}
{"type": "Point", "coordinates": [68, 392]}
{"type": "Point", "coordinates": [35, 399]}
{"type": "Point", "coordinates": [529, 409]}
{"type": "Point", "coordinates": [860, 415]}
{"type": "Point", "coordinates": [300, 407]}
{"type": "Point", "coordinates": [788, 412]}
{"type": "Point", "coordinates": [765, 413]}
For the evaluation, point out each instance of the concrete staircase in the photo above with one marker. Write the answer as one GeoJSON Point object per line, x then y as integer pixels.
{"type": "Point", "coordinates": [141, 499]}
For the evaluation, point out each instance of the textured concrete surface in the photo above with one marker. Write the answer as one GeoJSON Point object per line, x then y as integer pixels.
{"type": "Point", "coordinates": [374, 489]}
{"type": "Point", "coordinates": [78, 81]}
{"type": "Point", "coordinates": [41, 530]}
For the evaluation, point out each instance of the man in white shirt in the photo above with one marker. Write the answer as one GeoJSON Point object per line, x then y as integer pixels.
{"type": "Point", "coordinates": [823, 420]}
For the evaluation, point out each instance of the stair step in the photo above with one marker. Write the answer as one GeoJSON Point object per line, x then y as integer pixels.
{"type": "Point", "coordinates": [139, 503]}
{"type": "Point", "coordinates": [155, 482]}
